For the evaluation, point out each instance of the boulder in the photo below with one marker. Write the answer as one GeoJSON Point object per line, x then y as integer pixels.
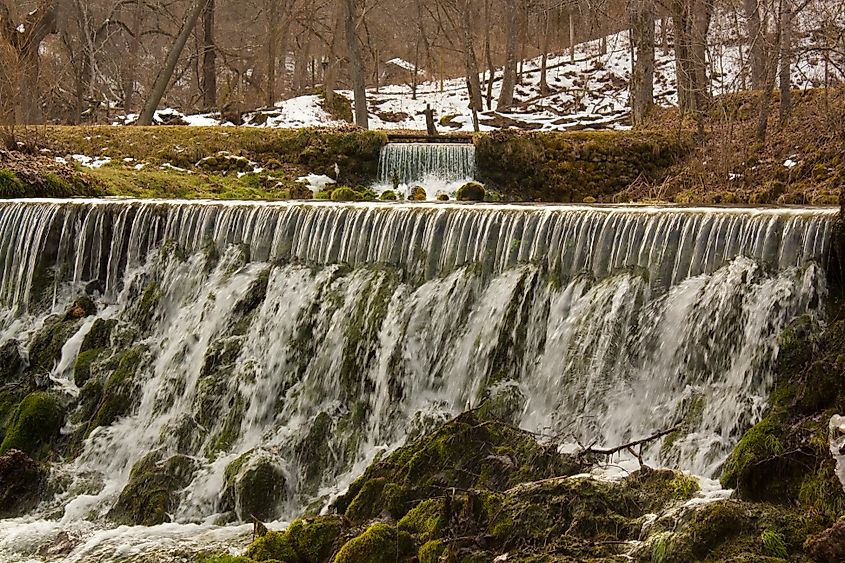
{"type": "Point", "coordinates": [417, 193]}
{"type": "Point", "coordinates": [34, 425]}
{"type": "Point", "coordinates": [21, 483]}
{"type": "Point", "coordinates": [151, 494]}
{"type": "Point", "coordinates": [256, 486]}
{"type": "Point", "coordinates": [471, 191]}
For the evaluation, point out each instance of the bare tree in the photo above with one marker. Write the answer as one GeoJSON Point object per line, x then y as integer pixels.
{"type": "Point", "coordinates": [166, 72]}
{"type": "Point", "coordinates": [24, 41]}
{"type": "Point", "coordinates": [642, 77]}
{"type": "Point", "coordinates": [208, 83]}
{"type": "Point", "coordinates": [509, 76]}
{"type": "Point", "coordinates": [356, 64]}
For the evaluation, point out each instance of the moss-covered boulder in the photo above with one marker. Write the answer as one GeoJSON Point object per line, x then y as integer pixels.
{"type": "Point", "coordinates": [388, 195]}
{"type": "Point", "coordinates": [466, 452]}
{"type": "Point", "coordinates": [151, 494]}
{"type": "Point", "coordinates": [34, 425]}
{"type": "Point", "coordinates": [380, 543]}
{"type": "Point", "coordinates": [417, 193]}
{"type": "Point", "coordinates": [312, 540]}
{"type": "Point", "coordinates": [471, 191]}
{"type": "Point", "coordinates": [21, 483]}
{"type": "Point", "coordinates": [256, 486]}
{"type": "Point", "coordinates": [345, 194]}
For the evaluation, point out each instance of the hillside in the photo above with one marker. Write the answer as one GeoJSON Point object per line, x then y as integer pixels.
{"type": "Point", "coordinates": [587, 91]}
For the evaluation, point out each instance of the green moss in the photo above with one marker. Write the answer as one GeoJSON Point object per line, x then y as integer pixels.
{"type": "Point", "coordinates": [431, 551]}
{"type": "Point", "coordinates": [684, 487]}
{"type": "Point", "coordinates": [345, 193]}
{"type": "Point", "coordinates": [116, 399]}
{"type": "Point", "coordinates": [82, 366]}
{"type": "Point", "coordinates": [380, 543]}
{"type": "Point", "coordinates": [426, 520]}
{"type": "Point", "coordinates": [10, 185]}
{"type": "Point", "coordinates": [569, 167]}
{"type": "Point", "coordinates": [34, 425]}
{"type": "Point", "coordinates": [144, 312]}
{"type": "Point", "coordinates": [388, 195]}
{"type": "Point", "coordinates": [274, 546]}
{"type": "Point", "coordinates": [774, 544]}
{"type": "Point", "coordinates": [760, 443]}
{"type": "Point", "coordinates": [150, 496]}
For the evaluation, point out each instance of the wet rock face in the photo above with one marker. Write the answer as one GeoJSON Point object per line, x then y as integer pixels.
{"type": "Point", "coordinates": [21, 482]}
{"type": "Point", "coordinates": [256, 487]}
{"type": "Point", "coordinates": [151, 495]}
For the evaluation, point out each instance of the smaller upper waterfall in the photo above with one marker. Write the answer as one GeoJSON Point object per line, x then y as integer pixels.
{"type": "Point", "coordinates": [433, 165]}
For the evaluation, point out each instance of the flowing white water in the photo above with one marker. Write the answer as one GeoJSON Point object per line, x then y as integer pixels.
{"type": "Point", "coordinates": [438, 167]}
{"type": "Point", "coordinates": [314, 335]}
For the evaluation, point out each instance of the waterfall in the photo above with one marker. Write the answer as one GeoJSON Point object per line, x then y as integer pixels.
{"type": "Point", "coordinates": [433, 165]}
{"type": "Point", "coordinates": [354, 326]}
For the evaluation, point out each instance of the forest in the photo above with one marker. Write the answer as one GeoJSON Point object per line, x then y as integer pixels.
{"type": "Point", "coordinates": [71, 62]}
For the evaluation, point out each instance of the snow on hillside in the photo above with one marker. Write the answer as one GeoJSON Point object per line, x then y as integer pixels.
{"type": "Point", "coordinates": [590, 93]}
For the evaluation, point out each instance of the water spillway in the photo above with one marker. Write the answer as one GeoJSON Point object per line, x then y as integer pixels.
{"type": "Point", "coordinates": [312, 336]}
{"type": "Point", "coordinates": [430, 164]}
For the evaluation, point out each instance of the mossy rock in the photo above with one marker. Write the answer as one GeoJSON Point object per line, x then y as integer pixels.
{"type": "Point", "coordinates": [388, 195]}
{"type": "Point", "coordinates": [426, 520]}
{"type": "Point", "coordinates": [380, 543]}
{"type": "Point", "coordinates": [151, 494]}
{"type": "Point", "coordinates": [46, 347]}
{"type": "Point", "coordinates": [417, 193]}
{"type": "Point", "coordinates": [471, 191]}
{"type": "Point", "coordinates": [312, 540]}
{"type": "Point", "coordinates": [311, 452]}
{"type": "Point", "coordinates": [22, 481]}
{"type": "Point", "coordinates": [442, 197]}
{"type": "Point", "coordinates": [34, 425]}
{"type": "Point", "coordinates": [345, 194]}
{"type": "Point", "coordinates": [119, 387]}
{"type": "Point", "coordinates": [465, 452]}
{"type": "Point", "coordinates": [430, 552]}
{"type": "Point", "coordinates": [256, 487]}
{"type": "Point", "coordinates": [11, 186]}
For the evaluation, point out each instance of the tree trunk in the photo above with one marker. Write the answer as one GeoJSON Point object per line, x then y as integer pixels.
{"type": "Point", "coordinates": [272, 52]}
{"type": "Point", "coordinates": [571, 37]}
{"type": "Point", "coordinates": [166, 73]}
{"type": "Point", "coordinates": [785, 61]}
{"type": "Point", "coordinates": [25, 106]}
{"type": "Point", "coordinates": [130, 73]}
{"type": "Point", "coordinates": [642, 79]}
{"type": "Point", "coordinates": [470, 60]}
{"type": "Point", "coordinates": [488, 55]}
{"type": "Point", "coordinates": [756, 52]}
{"type": "Point", "coordinates": [356, 65]}
{"type": "Point", "coordinates": [544, 64]}
{"type": "Point", "coordinates": [509, 76]}
{"type": "Point", "coordinates": [209, 58]}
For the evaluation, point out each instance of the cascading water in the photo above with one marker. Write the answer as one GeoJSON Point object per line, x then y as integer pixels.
{"type": "Point", "coordinates": [439, 167]}
{"type": "Point", "coordinates": [311, 336]}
